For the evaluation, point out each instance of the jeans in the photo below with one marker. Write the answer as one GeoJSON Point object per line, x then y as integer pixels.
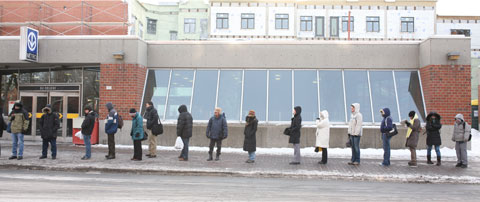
{"type": "Point", "coordinates": [386, 149]}
{"type": "Point", "coordinates": [53, 144]}
{"type": "Point", "coordinates": [88, 145]}
{"type": "Point", "coordinates": [17, 142]}
{"type": "Point", "coordinates": [184, 153]}
{"type": "Point", "coordinates": [355, 140]}
{"type": "Point", "coordinates": [251, 155]}
{"type": "Point", "coordinates": [437, 150]}
{"type": "Point", "coordinates": [296, 153]}
{"type": "Point", "coordinates": [219, 146]}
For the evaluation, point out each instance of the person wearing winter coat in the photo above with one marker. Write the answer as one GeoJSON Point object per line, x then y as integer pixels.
{"type": "Point", "coordinates": [355, 132]}
{"type": "Point", "coordinates": [19, 126]}
{"type": "Point", "coordinates": [385, 127]}
{"type": "Point", "coordinates": [433, 127]}
{"type": "Point", "coordinates": [137, 134]}
{"type": "Point", "coordinates": [151, 116]}
{"type": "Point", "coordinates": [217, 130]}
{"type": "Point", "coordinates": [3, 126]}
{"type": "Point", "coordinates": [250, 141]}
{"type": "Point", "coordinates": [295, 126]}
{"type": "Point", "coordinates": [87, 129]}
{"type": "Point", "coordinates": [184, 130]}
{"type": "Point", "coordinates": [111, 127]}
{"type": "Point", "coordinates": [461, 134]}
{"type": "Point", "coordinates": [413, 131]}
{"type": "Point", "coordinates": [49, 123]}
{"type": "Point", "coordinates": [323, 135]}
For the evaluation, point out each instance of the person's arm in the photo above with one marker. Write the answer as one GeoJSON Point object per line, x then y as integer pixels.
{"type": "Point", "coordinates": [180, 124]}
{"type": "Point", "coordinates": [40, 121]}
{"type": "Point", "coordinates": [322, 123]}
{"type": "Point", "coordinates": [358, 124]}
{"type": "Point", "coordinates": [296, 124]}
{"type": "Point", "coordinates": [56, 122]}
{"type": "Point", "coordinates": [467, 132]}
{"type": "Point", "coordinates": [209, 127]}
{"type": "Point", "coordinates": [25, 125]}
{"type": "Point", "coordinates": [416, 125]}
{"type": "Point", "coordinates": [225, 128]}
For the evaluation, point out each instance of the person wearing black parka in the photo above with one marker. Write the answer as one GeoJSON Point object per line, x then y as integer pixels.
{"type": "Point", "coordinates": [433, 127]}
{"type": "Point", "coordinates": [49, 123]}
{"type": "Point", "coordinates": [184, 130]}
{"type": "Point", "coordinates": [250, 141]}
{"type": "Point", "coordinates": [294, 139]}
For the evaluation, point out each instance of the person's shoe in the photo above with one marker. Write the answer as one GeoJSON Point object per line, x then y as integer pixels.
{"type": "Point", "coordinates": [322, 163]}
{"type": "Point", "coordinates": [384, 165]}
{"type": "Point", "coordinates": [429, 159]}
{"type": "Point", "coordinates": [217, 158]}
{"type": "Point", "coordinates": [355, 163]}
{"type": "Point", "coordinates": [134, 159]}
{"type": "Point", "coordinates": [110, 157]}
{"type": "Point", "coordinates": [12, 157]}
{"type": "Point", "coordinates": [350, 163]}
{"type": "Point", "coordinates": [250, 161]}
{"type": "Point", "coordinates": [210, 158]}
{"type": "Point", "coordinates": [106, 156]}
{"type": "Point", "coordinates": [20, 158]}
{"type": "Point", "coordinates": [85, 158]}
{"type": "Point", "coordinates": [152, 156]}
{"type": "Point", "coordinates": [42, 157]}
{"type": "Point", "coordinates": [439, 161]}
{"type": "Point", "coordinates": [294, 163]}
{"type": "Point", "coordinates": [458, 165]}
{"type": "Point", "coordinates": [182, 159]}
{"type": "Point", "coordinates": [464, 166]}
{"type": "Point", "coordinates": [412, 164]}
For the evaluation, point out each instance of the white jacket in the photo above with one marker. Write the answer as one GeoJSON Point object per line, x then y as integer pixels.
{"type": "Point", "coordinates": [356, 121]}
{"type": "Point", "coordinates": [323, 130]}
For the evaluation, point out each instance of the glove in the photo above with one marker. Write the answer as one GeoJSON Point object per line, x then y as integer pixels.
{"type": "Point", "coordinates": [137, 135]}
{"type": "Point", "coordinates": [317, 149]}
{"type": "Point", "coordinates": [349, 135]}
{"type": "Point", "coordinates": [408, 124]}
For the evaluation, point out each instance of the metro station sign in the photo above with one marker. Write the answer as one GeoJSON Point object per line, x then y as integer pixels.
{"type": "Point", "coordinates": [28, 44]}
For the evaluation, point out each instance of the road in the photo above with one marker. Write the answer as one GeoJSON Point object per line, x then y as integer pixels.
{"type": "Point", "coordinates": [28, 185]}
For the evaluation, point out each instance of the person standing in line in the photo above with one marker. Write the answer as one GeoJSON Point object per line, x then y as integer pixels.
{"type": "Point", "coordinates": [49, 123]}
{"type": "Point", "coordinates": [295, 126]}
{"type": "Point", "coordinates": [151, 116]}
{"type": "Point", "coordinates": [137, 134]}
{"type": "Point", "coordinates": [412, 136]}
{"type": "Point", "coordinates": [184, 130]}
{"type": "Point", "coordinates": [88, 125]}
{"type": "Point", "coordinates": [323, 135]}
{"type": "Point", "coordinates": [19, 126]}
{"type": "Point", "coordinates": [111, 127]}
{"type": "Point", "coordinates": [355, 132]}
{"type": "Point", "coordinates": [433, 127]}
{"type": "Point", "coordinates": [385, 127]}
{"type": "Point", "coordinates": [3, 126]}
{"type": "Point", "coordinates": [217, 130]}
{"type": "Point", "coordinates": [250, 141]}
{"type": "Point", "coordinates": [461, 134]}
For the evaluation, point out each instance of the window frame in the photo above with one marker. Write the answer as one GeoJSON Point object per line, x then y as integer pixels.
{"type": "Point", "coordinates": [373, 22]}
{"type": "Point", "coordinates": [188, 22]}
{"type": "Point", "coordinates": [282, 17]}
{"type": "Point", "coordinates": [407, 21]}
{"type": "Point", "coordinates": [151, 27]}
{"type": "Point", "coordinates": [337, 28]}
{"type": "Point", "coordinates": [304, 19]}
{"type": "Point", "coordinates": [323, 26]}
{"type": "Point", "coordinates": [250, 20]}
{"type": "Point", "coordinates": [352, 24]}
{"type": "Point", "coordinates": [223, 17]}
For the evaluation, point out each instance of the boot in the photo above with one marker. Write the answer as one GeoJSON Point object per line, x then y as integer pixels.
{"type": "Point", "coordinates": [217, 158]}
{"type": "Point", "coordinates": [429, 159]}
{"type": "Point", "coordinates": [439, 161]}
{"type": "Point", "coordinates": [210, 157]}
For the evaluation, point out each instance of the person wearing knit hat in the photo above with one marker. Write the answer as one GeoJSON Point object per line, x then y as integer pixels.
{"type": "Point", "coordinates": [250, 141]}
{"type": "Point", "coordinates": [413, 131]}
{"type": "Point", "coordinates": [137, 134]}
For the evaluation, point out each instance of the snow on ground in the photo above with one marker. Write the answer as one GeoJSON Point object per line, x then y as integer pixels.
{"type": "Point", "coordinates": [370, 153]}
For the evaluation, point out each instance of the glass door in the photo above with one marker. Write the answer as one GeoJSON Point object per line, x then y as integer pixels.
{"type": "Point", "coordinates": [67, 105]}
{"type": "Point", "coordinates": [33, 103]}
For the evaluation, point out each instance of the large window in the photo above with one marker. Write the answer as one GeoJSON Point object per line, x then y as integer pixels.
{"type": "Point", "coordinates": [248, 20]}
{"type": "Point", "coordinates": [319, 26]}
{"type": "Point", "coordinates": [274, 93]}
{"type": "Point", "coordinates": [189, 25]}
{"type": "Point", "coordinates": [306, 23]}
{"type": "Point", "coordinates": [465, 32]}
{"type": "Point", "coordinates": [407, 24]}
{"type": "Point", "coordinates": [204, 94]}
{"type": "Point", "coordinates": [280, 95]}
{"type": "Point", "coordinates": [334, 26]}
{"type": "Point", "coordinates": [373, 24]}
{"type": "Point", "coordinates": [180, 92]}
{"type": "Point", "coordinates": [255, 93]}
{"type": "Point", "coordinates": [222, 20]}
{"type": "Point", "coordinates": [151, 26]}
{"type": "Point", "coordinates": [281, 21]}
{"type": "Point", "coordinates": [345, 23]}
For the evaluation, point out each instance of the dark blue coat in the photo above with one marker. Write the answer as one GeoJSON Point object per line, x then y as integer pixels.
{"type": "Point", "coordinates": [386, 125]}
{"type": "Point", "coordinates": [217, 128]}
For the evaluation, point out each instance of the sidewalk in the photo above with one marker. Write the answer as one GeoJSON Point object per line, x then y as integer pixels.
{"type": "Point", "coordinates": [233, 164]}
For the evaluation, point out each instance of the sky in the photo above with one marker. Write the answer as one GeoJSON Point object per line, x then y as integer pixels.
{"type": "Point", "coordinates": [458, 7]}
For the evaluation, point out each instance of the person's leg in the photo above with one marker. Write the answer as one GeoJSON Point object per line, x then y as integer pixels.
{"type": "Point", "coordinates": [324, 155]}
{"type": "Point", "coordinates": [152, 143]}
{"type": "Point", "coordinates": [296, 153]}
{"type": "Point", "coordinates": [251, 155]}
{"type": "Point", "coordinates": [219, 149]}
{"type": "Point", "coordinates": [53, 144]}
{"type": "Point", "coordinates": [14, 144]}
{"type": "Point", "coordinates": [44, 148]}
{"type": "Point", "coordinates": [111, 145]}
{"type": "Point", "coordinates": [463, 153]}
{"type": "Point", "coordinates": [88, 146]}
{"type": "Point", "coordinates": [386, 150]}
{"type": "Point", "coordinates": [185, 148]}
{"type": "Point", "coordinates": [459, 156]}
{"type": "Point", "coordinates": [210, 150]}
{"type": "Point", "coordinates": [429, 154]}
{"type": "Point", "coordinates": [439, 156]}
{"type": "Point", "coordinates": [20, 145]}
{"type": "Point", "coordinates": [356, 142]}
{"type": "Point", "coordinates": [413, 152]}
{"type": "Point", "coordinates": [137, 146]}
{"type": "Point", "coordinates": [353, 149]}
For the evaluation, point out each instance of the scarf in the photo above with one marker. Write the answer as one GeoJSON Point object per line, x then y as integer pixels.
{"type": "Point", "coordinates": [409, 131]}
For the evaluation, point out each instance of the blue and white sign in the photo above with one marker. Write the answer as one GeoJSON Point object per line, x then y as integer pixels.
{"type": "Point", "coordinates": [28, 44]}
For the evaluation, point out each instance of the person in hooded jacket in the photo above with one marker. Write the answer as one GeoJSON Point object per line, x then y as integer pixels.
{"type": "Point", "coordinates": [323, 135]}
{"type": "Point", "coordinates": [355, 132]}
{"type": "Point", "coordinates": [111, 127]}
{"type": "Point", "coordinates": [217, 130]}
{"type": "Point", "coordinates": [295, 126]}
{"type": "Point", "coordinates": [461, 134]}
{"type": "Point", "coordinates": [433, 127]}
{"type": "Point", "coordinates": [19, 126]}
{"type": "Point", "coordinates": [49, 123]}
{"type": "Point", "coordinates": [250, 141]}
{"type": "Point", "coordinates": [412, 136]}
{"type": "Point", "coordinates": [184, 130]}
{"type": "Point", "coordinates": [88, 125]}
{"type": "Point", "coordinates": [137, 134]}
{"type": "Point", "coordinates": [151, 116]}
{"type": "Point", "coordinates": [385, 127]}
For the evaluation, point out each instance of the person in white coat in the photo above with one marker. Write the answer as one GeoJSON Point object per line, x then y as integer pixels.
{"type": "Point", "coordinates": [323, 135]}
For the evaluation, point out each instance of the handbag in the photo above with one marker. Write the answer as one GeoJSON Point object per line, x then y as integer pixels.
{"type": "Point", "coordinates": [286, 131]}
{"type": "Point", "coordinates": [392, 132]}
{"type": "Point", "coordinates": [157, 128]}
{"type": "Point", "coordinates": [145, 136]}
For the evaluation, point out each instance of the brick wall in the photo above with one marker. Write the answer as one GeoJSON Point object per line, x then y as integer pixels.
{"type": "Point", "coordinates": [127, 82]}
{"type": "Point", "coordinates": [447, 90]}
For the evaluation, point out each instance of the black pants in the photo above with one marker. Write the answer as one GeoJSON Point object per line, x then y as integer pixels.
{"type": "Point", "coordinates": [324, 155]}
{"type": "Point", "coordinates": [219, 146]}
{"type": "Point", "coordinates": [53, 144]}
{"type": "Point", "coordinates": [111, 145]}
{"type": "Point", "coordinates": [137, 149]}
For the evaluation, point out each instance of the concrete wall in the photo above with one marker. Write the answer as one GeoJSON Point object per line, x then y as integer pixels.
{"type": "Point", "coordinates": [434, 51]}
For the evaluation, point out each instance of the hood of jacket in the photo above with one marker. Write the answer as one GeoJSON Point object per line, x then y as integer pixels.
{"type": "Point", "coordinates": [149, 108]}
{"type": "Point", "coordinates": [18, 104]}
{"type": "Point", "coordinates": [429, 116]}
{"type": "Point", "coordinates": [357, 108]}
{"type": "Point", "coordinates": [324, 114]}
{"type": "Point", "coordinates": [109, 106]}
{"type": "Point", "coordinates": [182, 109]}
{"type": "Point", "coordinates": [460, 116]}
{"type": "Point", "coordinates": [47, 109]}
{"type": "Point", "coordinates": [298, 110]}
{"type": "Point", "coordinates": [386, 112]}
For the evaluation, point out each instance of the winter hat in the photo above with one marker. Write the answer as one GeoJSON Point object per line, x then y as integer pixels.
{"type": "Point", "coordinates": [411, 114]}
{"type": "Point", "coordinates": [251, 113]}
{"type": "Point", "coordinates": [88, 107]}
{"type": "Point", "coordinates": [133, 111]}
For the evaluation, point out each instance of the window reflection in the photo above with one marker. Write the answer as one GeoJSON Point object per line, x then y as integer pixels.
{"type": "Point", "coordinates": [204, 94]}
{"type": "Point", "coordinates": [306, 96]}
{"type": "Point", "coordinates": [409, 94]}
{"type": "Point", "coordinates": [331, 94]}
{"type": "Point", "coordinates": [280, 95]}
{"type": "Point", "coordinates": [180, 92]}
{"type": "Point", "coordinates": [255, 93]}
{"type": "Point", "coordinates": [230, 93]}
{"type": "Point", "coordinates": [156, 90]}
{"type": "Point", "coordinates": [356, 89]}
{"type": "Point", "coordinates": [383, 94]}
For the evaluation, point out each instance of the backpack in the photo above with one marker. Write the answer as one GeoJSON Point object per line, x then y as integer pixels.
{"type": "Point", "coordinates": [157, 128]}
{"type": "Point", "coordinates": [470, 136]}
{"type": "Point", "coordinates": [120, 121]}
